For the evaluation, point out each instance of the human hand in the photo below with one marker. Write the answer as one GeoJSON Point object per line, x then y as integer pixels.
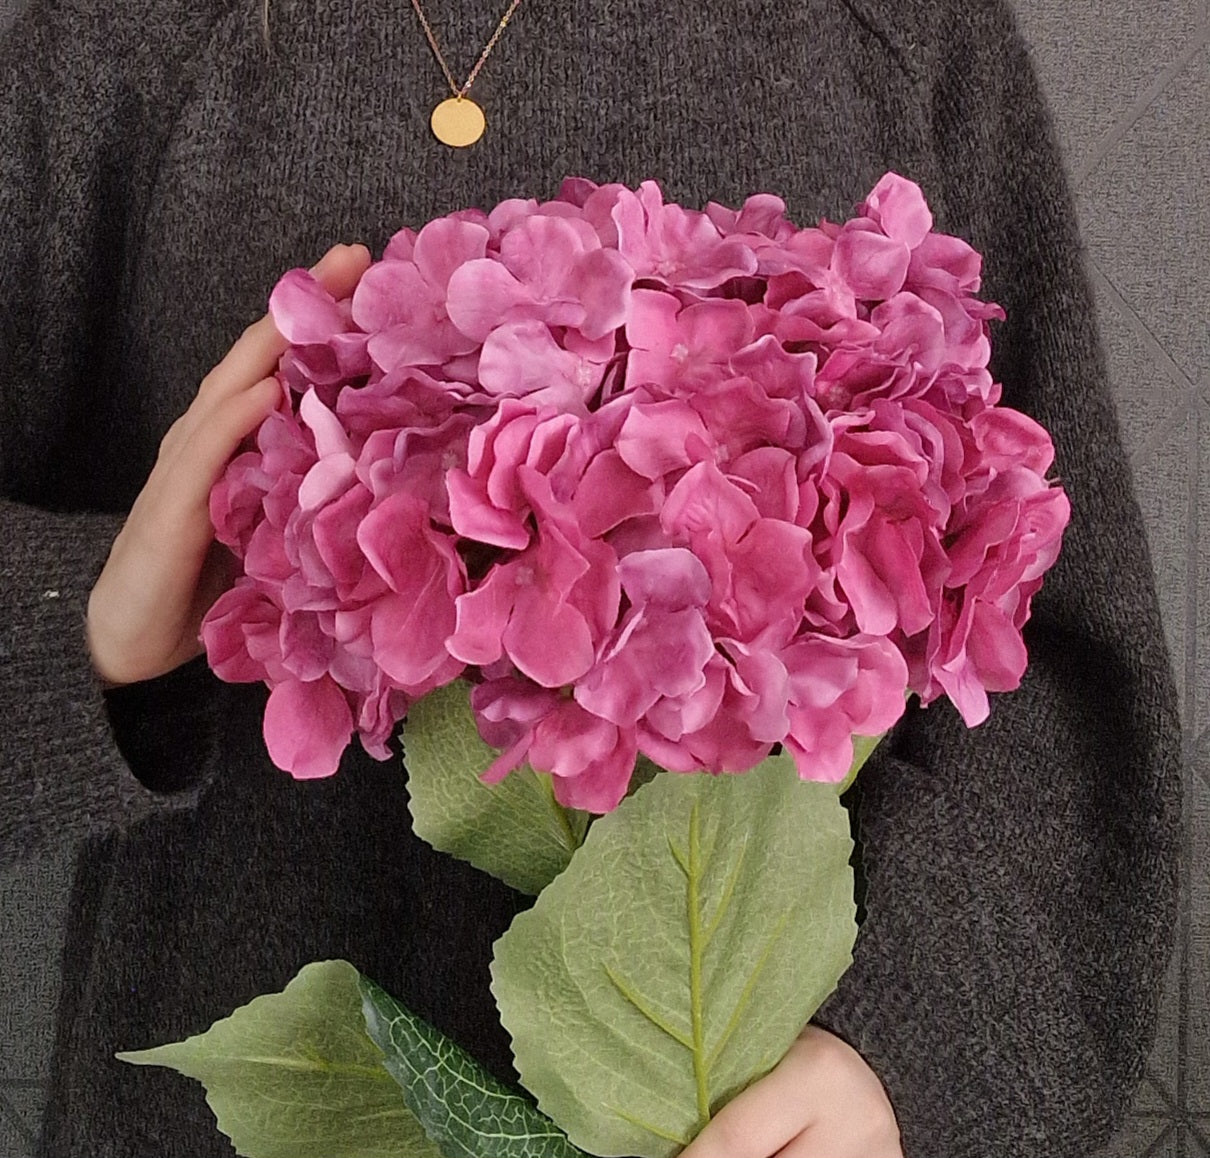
{"type": "Point", "coordinates": [821, 1101]}
{"type": "Point", "coordinates": [165, 569]}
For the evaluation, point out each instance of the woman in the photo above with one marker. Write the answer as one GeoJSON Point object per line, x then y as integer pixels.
{"type": "Point", "coordinates": [161, 167]}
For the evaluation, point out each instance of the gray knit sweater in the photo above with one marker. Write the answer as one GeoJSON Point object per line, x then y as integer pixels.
{"type": "Point", "coordinates": [159, 169]}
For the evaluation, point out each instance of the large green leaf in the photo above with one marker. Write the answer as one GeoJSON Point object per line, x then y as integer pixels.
{"type": "Point", "coordinates": [463, 1108]}
{"type": "Point", "coordinates": [515, 830]}
{"type": "Point", "coordinates": [295, 1075]}
{"type": "Point", "coordinates": [679, 955]}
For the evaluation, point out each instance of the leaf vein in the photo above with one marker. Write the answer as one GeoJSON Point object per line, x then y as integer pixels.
{"type": "Point", "coordinates": [629, 993]}
{"type": "Point", "coordinates": [659, 1131]}
{"type": "Point", "coordinates": [746, 995]}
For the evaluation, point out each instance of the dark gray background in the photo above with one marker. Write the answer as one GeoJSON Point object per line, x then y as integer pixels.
{"type": "Point", "coordinates": [1129, 82]}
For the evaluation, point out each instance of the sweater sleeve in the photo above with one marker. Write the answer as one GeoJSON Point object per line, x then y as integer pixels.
{"type": "Point", "coordinates": [1022, 876]}
{"type": "Point", "coordinates": [70, 130]}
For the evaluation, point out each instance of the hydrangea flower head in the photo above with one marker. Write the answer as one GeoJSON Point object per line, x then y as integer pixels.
{"type": "Point", "coordinates": [660, 481]}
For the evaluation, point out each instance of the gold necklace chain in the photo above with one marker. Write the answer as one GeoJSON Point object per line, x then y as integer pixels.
{"type": "Point", "coordinates": [458, 121]}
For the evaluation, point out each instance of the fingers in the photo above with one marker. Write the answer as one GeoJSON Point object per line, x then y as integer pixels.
{"type": "Point", "coordinates": [821, 1101]}
{"type": "Point", "coordinates": [848, 1142]}
{"type": "Point", "coordinates": [163, 570]}
{"type": "Point", "coordinates": [199, 445]}
{"type": "Point", "coordinates": [257, 350]}
{"type": "Point", "coordinates": [755, 1123]}
{"type": "Point", "coordinates": [240, 391]}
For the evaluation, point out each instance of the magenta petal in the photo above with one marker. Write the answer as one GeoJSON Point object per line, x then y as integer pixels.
{"type": "Point", "coordinates": [590, 759]}
{"type": "Point", "coordinates": [506, 762]}
{"type": "Point", "coordinates": [605, 280]}
{"type": "Point", "coordinates": [705, 502]}
{"type": "Point", "coordinates": [327, 479]}
{"type": "Point", "coordinates": [266, 557]}
{"type": "Point", "coordinates": [409, 635]}
{"type": "Point", "coordinates": [474, 517]}
{"type": "Point", "coordinates": [307, 726]}
{"type": "Point", "coordinates": [602, 785]}
{"type": "Point", "coordinates": [306, 650]}
{"type": "Point", "coordinates": [387, 294]}
{"type": "Point", "coordinates": [550, 642]}
{"type": "Point", "coordinates": [303, 311]}
{"type": "Point", "coordinates": [899, 207]}
{"type": "Point", "coordinates": [1009, 438]}
{"type": "Point", "coordinates": [398, 542]}
{"type": "Point", "coordinates": [542, 252]}
{"type": "Point", "coordinates": [331, 438]}
{"type": "Point", "coordinates": [484, 295]}
{"type": "Point", "coordinates": [242, 611]}
{"type": "Point", "coordinates": [523, 359]}
{"type": "Point", "coordinates": [871, 598]}
{"type": "Point", "coordinates": [872, 266]}
{"type": "Point", "coordinates": [664, 655]}
{"type": "Point", "coordinates": [335, 534]}
{"type": "Point", "coordinates": [996, 649]}
{"type": "Point", "coordinates": [481, 616]}
{"type": "Point", "coordinates": [445, 245]}
{"type": "Point", "coordinates": [655, 437]}
{"type": "Point", "coordinates": [673, 578]}
{"type": "Point", "coordinates": [610, 493]}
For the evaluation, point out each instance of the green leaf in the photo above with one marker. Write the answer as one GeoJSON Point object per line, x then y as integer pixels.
{"type": "Point", "coordinates": [295, 1075]}
{"type": "Point", "coordinates": [464, 1109]}
{"type": "Point", "coordinates": [515, 830]}
{"type": "Point", "coordinates": [680, 954]}
{"type": "Point", "coordinates": [863, 749]}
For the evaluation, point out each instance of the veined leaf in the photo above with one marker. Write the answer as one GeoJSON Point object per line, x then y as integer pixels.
{"type": "Point", "coordinates": [679, 955]}
{"type": "Point", "coordinates": [295, 1075]}
{"type": "Point", "coordinates": [515, 830]}
{"type": "Point", "coordinates": [467, 1112]}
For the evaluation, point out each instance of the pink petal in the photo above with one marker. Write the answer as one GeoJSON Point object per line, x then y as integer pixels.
{"type": "Point", "coordinates": [484, 295]}
{"type": "Point", "coordinates": [522, 359]}
{"type": "Point", "coordinates": [307, 726]}
{"type": "Point", "coordinates": [899, 207]}
{"type": "Point", "coordinates": [445, 245]}
{"type": "Point", "coordinates": [480, 618]}
{"type": "Point", "coordinates": [474, 517]}
{"type": "Point", "coordinates": [303, 311]}
{"type": "Point", "coordinates": [673, 578]}
{"type": "Point", "coordinates": [655, 437]}
{"type": "Point", "coordinates": [239, 612]}
{"type": "Point", "coordinates": [549, 642]}
{"type": "Point", "coordinates": [609, 493]}
{"type": "Point", "coordinates": [409, 633]}
{"type": "Point", "coordinates": [387, 295]}
{"type": "Point", "coordinates": [872, 266]}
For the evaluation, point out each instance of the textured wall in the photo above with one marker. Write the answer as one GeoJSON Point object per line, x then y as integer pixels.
{"type": "Point", "coordinates": [1129, 81]}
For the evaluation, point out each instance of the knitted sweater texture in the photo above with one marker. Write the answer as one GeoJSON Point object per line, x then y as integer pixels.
{"type": "Point", "coordinates": [159, 169]}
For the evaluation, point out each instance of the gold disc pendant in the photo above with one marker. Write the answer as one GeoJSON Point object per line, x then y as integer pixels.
{"type": "Point", "coordinates": [458, 122]}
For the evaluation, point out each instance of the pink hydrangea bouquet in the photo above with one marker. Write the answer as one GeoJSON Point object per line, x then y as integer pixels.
{"type": "Point", "coordinates": [602, 487]}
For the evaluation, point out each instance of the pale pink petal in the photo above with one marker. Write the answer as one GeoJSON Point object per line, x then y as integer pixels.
{"type": "Point", "coordinates": [899, 208]}
{"type": "Point", "coordinates": [484, 295]}
{"type": "Point", "coordinates": [445, 245]}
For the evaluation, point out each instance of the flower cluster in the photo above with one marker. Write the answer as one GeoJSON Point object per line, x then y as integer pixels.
{"type": "Point", "coordinates": [686, 484]}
